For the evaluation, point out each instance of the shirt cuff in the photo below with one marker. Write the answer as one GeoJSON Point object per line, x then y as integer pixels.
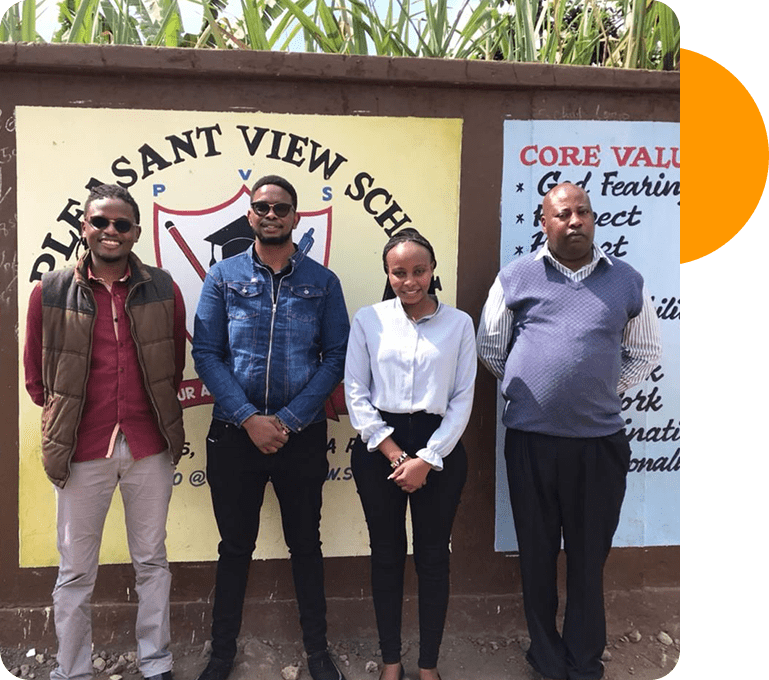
{"type": "Point", "coordinates": [378, 437]}
{"type": "Point", "coordinates": [431, 458]}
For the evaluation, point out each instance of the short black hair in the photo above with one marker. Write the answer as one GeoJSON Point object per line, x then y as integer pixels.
{"type": "Point", "coordinates": [408, 234]}
{"type": "Point", "coordinates": [278, 181]}
{"type": "Point", "coordinates": [111, 191]}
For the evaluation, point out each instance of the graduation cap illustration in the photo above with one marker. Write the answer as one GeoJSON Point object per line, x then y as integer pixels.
{"type": "Point", "coordinates": [233, 239]}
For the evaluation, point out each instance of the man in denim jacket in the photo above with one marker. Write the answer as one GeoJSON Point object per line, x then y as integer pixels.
{"type": "Point", "coordinates": [270, 340]}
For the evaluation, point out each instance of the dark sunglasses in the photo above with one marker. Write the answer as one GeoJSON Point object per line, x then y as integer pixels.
{"type": "Point", "coordinates": [262, 208]}
{"type": "Point", "coordinates": [121, 226]}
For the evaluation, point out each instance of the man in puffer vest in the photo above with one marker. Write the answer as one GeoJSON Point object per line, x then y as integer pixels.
{"type": "Point", "coordinates": [104, 357]}
{"type": "Point", "coordinates": [567, 330]}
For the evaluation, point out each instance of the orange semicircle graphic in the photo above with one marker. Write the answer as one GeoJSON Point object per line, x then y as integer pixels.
{"type": "Point", "coordinates": [727, 155]}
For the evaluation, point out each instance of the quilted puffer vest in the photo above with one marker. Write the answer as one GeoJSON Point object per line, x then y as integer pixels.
{"type": "Point", "coordinates": [69, 313]}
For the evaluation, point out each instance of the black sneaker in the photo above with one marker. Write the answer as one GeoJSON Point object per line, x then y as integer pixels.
{"type": "Point", "coordinates": [217, 669]}
{"type": "Point", "coordinates": [322, 667]}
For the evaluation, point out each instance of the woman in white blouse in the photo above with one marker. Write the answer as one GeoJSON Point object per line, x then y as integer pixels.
{"type": "Point", "coordinates": [409, 379]}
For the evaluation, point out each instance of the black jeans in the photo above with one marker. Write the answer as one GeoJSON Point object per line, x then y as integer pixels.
{"type": "Point", "coordinates": [433, 508]}
{"type": "Point", "coordinates": [237, 474]}
{"type": "Point", "coordinates": [572, 486]}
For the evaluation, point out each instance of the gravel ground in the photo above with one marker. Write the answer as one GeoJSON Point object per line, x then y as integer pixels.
{"type": "Point", "coordinates": [643, 644]}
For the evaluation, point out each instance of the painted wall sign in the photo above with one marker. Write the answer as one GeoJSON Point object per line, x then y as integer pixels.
{"type": "Point", "coordinates": [631, 171]}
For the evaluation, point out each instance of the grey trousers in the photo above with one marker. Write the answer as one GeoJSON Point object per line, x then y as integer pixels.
{"type": "Point", "coordinates": [82, 506]}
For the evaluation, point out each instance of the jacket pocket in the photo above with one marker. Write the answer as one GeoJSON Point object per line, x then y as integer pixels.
{"type": "Point", "coordinates": [60, 413]}
{"type": "Point", "coordinates": [244, 299]}
{"type": "Point", "coordinates": [45, 419]}
{"type": "Point", "coordinates": [304, 302]}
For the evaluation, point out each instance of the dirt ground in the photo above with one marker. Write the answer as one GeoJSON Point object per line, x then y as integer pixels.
{"type": "Point", "coordinates": [643, 629]}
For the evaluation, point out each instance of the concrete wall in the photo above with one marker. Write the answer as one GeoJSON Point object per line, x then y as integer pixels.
{"type": "Point", "coordinates": [485, 584]}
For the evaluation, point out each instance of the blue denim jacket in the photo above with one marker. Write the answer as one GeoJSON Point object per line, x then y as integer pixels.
{"type": "Point", "coordinates": [259, 355]}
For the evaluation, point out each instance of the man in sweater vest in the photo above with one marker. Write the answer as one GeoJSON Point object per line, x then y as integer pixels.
{"type": "Point", "coordinates": [567, 330]}
{"type": "Point", "coordinates": [104, 356]}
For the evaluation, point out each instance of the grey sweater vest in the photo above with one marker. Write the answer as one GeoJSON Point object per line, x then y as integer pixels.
{"type": "Point", "coordinates": [564, 363]}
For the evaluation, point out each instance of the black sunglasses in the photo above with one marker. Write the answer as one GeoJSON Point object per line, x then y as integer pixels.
{"type": "Point", "coordinates": [262, 208]}
{"type": "Point", "coordinates": [121, 226]}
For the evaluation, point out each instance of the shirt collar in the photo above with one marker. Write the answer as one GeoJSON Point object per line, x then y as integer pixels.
{"type": "Point", "coordinates": [598, 255]}
{"type": "Point", "coordinates": [285, 269]}
{"type": "Point", "coordinates": [123, 279]}
{"type": "Point", "coordinates": [399, 306]}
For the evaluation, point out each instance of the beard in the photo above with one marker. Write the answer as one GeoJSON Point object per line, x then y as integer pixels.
{"type": "Point", "coordinates": [107, 258]}
{"type": "Point", "coordinates": [273, 240]}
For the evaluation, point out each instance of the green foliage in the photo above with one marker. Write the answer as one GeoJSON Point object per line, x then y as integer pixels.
{"type": "Point", "coordinates": [620, 33]}
{"type": "Point", "coordinates": [19, 23]}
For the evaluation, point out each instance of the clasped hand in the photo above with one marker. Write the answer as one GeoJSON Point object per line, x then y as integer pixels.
{"type": "Point", "coordinates": [411, 474]}
{"type": "Point", "coordinates": [265, 433]}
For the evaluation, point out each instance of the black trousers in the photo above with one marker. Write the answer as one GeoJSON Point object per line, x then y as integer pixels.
{"type": "Point", "coordinates": [433, 508]}
{"type": "Point", "coordinates": [574, 487]}
{"type": "Point", "coordinates": [237, 474]}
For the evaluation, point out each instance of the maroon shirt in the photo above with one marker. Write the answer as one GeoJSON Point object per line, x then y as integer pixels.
{"type": "Point", "coordinates": [116, 398]}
